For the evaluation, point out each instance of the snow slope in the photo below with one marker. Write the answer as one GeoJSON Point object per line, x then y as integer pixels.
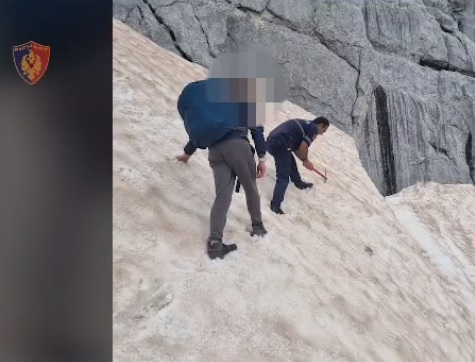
{"type": "Point", "coordinates": [308, 291]}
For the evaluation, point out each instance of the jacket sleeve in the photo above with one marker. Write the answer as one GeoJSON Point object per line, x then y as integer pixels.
{"type": "Point", "coordinates": [259, 141]}
{"type": "Point", "coordinates": [190, 148]}
{"type": "Point", "coordinates": [308, 138]}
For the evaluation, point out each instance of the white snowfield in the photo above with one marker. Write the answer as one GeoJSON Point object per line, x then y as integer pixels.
{"type": "Point", "coordinates": [310, 290]}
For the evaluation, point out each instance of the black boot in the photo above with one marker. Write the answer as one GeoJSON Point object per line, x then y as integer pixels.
{"type": "Point", "coordinates": [302, 185]}
{"type": "Point", "coordinates": [218, 250]}
{"type": "Point", "coordinates": [258, 229]}
{"type": "Point", "coordinates": [276, 209]}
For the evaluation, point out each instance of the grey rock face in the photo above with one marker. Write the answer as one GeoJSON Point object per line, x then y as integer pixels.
{"type": "Point", "coordinates": [342, 28]}
{"type": "Point", "coordinates": [398, 75]}
{"type": "Point", "coordinates": [404, 28]}
{"type": "Point", "coordinates": [253, 5]}
{"type": "Point", "coordinates": [138, 15]}
{"type": "Point", "coordinates": [417, 125]}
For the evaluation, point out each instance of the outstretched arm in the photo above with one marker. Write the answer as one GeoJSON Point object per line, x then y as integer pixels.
{"type": "Point", "coordinates": [189, 149]}
{"type": "Point", "coordinates": [261, 149]}
{"type": "Point", "coordinates": [259, 141]}
{"type": "Point", "coordinates": [302, 154]}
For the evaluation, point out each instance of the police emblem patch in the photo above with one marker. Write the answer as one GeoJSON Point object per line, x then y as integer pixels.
{"type": "Point", "coordinates": [31, 61]}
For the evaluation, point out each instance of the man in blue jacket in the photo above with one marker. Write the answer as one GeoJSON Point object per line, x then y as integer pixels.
{"type": "Point", "coordinates": [294, 135]}
{"type": "Point", "coordinates": [233, 157]}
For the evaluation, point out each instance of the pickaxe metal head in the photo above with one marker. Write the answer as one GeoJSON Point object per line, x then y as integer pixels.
{"type": "Point", "coordinates": [324, 176]}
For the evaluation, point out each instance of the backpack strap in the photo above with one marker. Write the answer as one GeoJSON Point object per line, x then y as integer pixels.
{"type": "Point", "coordinates": [303, 133]}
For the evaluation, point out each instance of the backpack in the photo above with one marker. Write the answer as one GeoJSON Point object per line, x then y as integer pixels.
{"type": "Point", "coordinates": [206, 119]}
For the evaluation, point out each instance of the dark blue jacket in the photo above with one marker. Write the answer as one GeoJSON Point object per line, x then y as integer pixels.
{"type": "Point", "coordinates": [295, 131]}
{"type": "Point", "coordinates": [257, 134]}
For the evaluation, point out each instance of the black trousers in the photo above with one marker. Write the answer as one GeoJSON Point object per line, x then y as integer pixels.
{"type": "Point", "coordinates": [286, 168]}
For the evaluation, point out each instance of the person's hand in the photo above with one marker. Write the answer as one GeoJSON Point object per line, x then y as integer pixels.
{"type": "Point", "coordinates": [308, 165]}
{"type": "Point", "coordinates": [183, 158]}
{"type": "Point", "coordinates": [261, 169]}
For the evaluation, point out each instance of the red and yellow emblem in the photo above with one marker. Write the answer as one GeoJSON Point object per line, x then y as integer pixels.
{"type": "Point", "coordinates": [31, 61]}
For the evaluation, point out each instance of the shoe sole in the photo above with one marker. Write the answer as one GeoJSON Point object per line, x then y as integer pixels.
{"type": "Point", "coordinates": [219, 254]}
{"type": "Point", "coordinates": [258, 234]}
{"type": "Point", "coordinates": [213, 256]}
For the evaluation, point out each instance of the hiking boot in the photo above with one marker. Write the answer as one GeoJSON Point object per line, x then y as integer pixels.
{"type": "Point", "coordinates": [258, 229]}
{"type": "Point", "coordinates": [216, 249]}
{"type": "Point", "coordinates": [302, 185]}
{"type": "Point", "coordinates": [276, 209]}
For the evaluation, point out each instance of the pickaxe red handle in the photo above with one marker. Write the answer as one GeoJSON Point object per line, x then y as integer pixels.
{"type": "Point", "coordinates": [324, 176]}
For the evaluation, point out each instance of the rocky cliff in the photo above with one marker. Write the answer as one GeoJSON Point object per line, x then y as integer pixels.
{"type": "Point", "coordinates": [397, 75]}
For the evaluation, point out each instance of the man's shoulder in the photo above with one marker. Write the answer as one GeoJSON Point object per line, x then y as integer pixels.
{"type": "Point", "coordinates": [302, 122]}
{"type": "Point", "coordinates": [309, 126]}
{"type": "Point", "coordinates": [291, 123]}
{"type": "Point", "coordinates": [293, 120]}
{"type": "Point", "coordinates": [288, 126]}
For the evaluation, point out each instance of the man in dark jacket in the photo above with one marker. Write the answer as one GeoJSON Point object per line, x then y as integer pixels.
{"type": "Point", "coordinates": [233, 157]}
{"type": "Point", "coordinates": [296, 136]}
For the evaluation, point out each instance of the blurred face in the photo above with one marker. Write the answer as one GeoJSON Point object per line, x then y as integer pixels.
{"type": "Point", "coordinates": [322, 128]}
{"type": "Point", "coordinates": [247, 90]}
{"type": "Point", "coordinates": [254, 92]}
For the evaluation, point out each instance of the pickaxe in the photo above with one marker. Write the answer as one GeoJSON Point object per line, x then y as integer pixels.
{"type": "Point", "coordinates": [323, 175]}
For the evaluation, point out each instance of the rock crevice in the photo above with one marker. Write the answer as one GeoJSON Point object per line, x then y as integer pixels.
{"type": "Point", "coordinates": [385, 141]}
{"type": "Point", "coordinates": [205, 35]}
{"type": "Point", "coordinates": [161, 21]}
{"type": "Point", "coordinates": [469, 156]}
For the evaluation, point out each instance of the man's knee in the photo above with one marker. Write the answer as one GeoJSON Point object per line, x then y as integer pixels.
{"type": "Point", "coordinates": [250, 187]}
{"type": "Point", "coordinates": [283, 173]}
{"type": "Point", "coordinates": [283, 180]}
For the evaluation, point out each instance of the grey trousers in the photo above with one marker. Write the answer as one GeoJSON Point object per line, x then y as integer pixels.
{"type": "Point", "coordinates": [229, 159]}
